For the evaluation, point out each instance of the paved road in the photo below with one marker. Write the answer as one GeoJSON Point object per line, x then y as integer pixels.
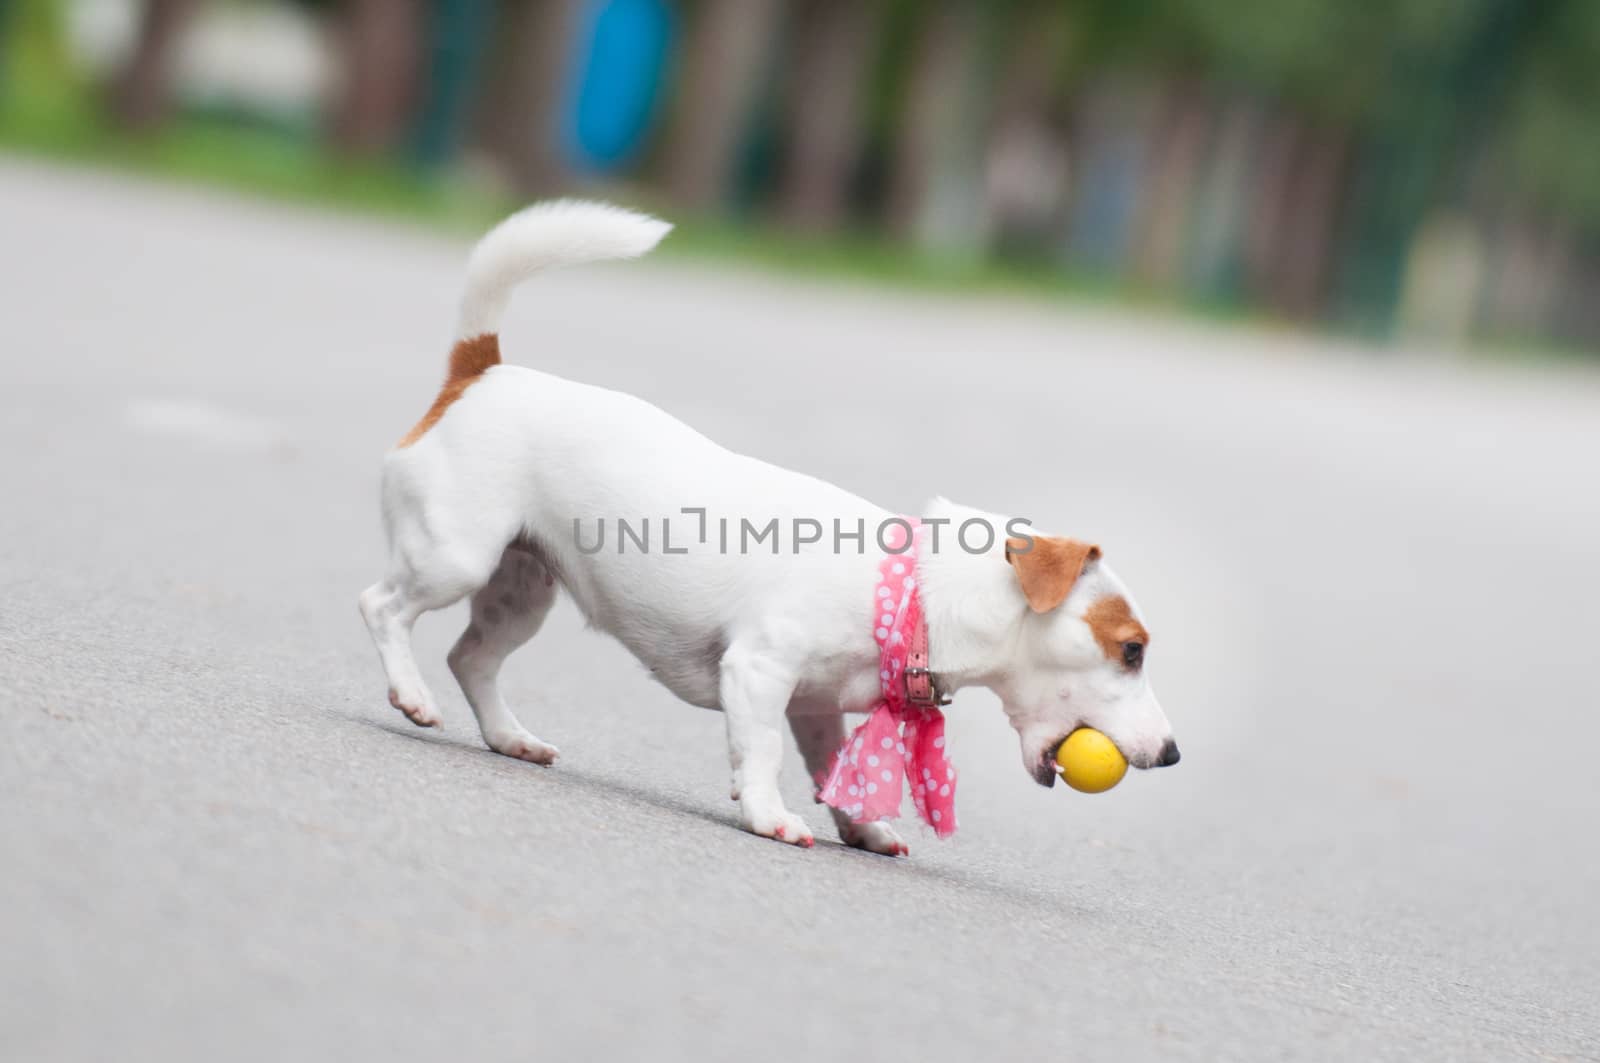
{"type": "Point", "coordinates": [1370, 581]}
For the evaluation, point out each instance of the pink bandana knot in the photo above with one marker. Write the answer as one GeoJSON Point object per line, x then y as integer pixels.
{"type": "Point", "coordinates": [902, 742]}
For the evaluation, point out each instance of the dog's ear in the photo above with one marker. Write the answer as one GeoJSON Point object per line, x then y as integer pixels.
{"type": "Point", "coordinates": [1048, 568]}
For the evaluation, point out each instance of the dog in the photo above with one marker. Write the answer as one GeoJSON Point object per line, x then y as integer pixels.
{"type": "Point", "coordinates": [488, 495]}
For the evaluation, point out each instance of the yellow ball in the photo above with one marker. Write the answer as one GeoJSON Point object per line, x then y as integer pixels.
{"type": "Point", "coordinates": [1090, 762]}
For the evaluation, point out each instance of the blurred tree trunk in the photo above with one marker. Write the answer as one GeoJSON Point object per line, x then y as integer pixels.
{"type": "Point", "coordinates": [1306, 240]}
{"type": "Point", "coordinates": [1436, 89]}
{"type": "Point", "coordinates": [458, 36]}
{"type": "Point", "coordinates": [929, 126]}
{"type": "Point", "coordinates": [1215, 250]}
{"type": "Point", "coordinates": [519, 122]}
{"type": "Point", "coordinates": [1270, 207]}
{"type": "Point", "coordinates": [832, 43]}
{"type": "Point", "coordinates": [1557, 253]}
{"type": "Point", "coordinates": [1573, 298]}
{"type": "Point", "coordinates": [1112, 168]}
{"type": "Point", "coordinates": [380, 45]}
{"type": "Point", "coordinates": [1026, 82]}
{"type": "Point", "coordinates": [1111, 146]}
{"type": "Point", "coordinates": [718, 75]}
{"type": "Point", "coordinates": [1528, 261]}
{"type": "Point", "coordinates": [1181, 139]}
{"type": "Point", "coordinates": [1512, 274]}
{"type": "Point", "coordinates": [1025, 163]}
{"type": "Point", "coordinates": [142, 91]}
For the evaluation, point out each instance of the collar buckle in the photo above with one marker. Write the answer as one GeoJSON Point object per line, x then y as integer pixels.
{"type": "Point", "coordinates": [922, 691]}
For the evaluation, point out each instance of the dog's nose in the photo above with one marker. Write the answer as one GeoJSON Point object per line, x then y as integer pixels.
{"type": "Point", "coordinates": [1169, 754]}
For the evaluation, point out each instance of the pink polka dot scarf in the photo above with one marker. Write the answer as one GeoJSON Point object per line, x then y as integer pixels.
{"type": "Point", "coordinates": [901, 743]}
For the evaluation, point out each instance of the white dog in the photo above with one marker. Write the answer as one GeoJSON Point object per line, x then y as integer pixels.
{"type": "Point", "coordinates": [502, 488]}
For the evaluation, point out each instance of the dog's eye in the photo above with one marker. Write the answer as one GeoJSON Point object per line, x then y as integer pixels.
{"type": "Point", "coordinates": [1133, 654]}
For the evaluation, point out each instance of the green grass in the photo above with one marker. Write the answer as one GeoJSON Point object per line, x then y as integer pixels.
{"type": "Point", "coordinates": [256, 160]}
{"type": "Point", "coordinates": [292, 167]}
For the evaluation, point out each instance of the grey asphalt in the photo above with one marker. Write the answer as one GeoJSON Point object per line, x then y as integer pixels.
{"type": "Point", "coordinates": [1371, 581]}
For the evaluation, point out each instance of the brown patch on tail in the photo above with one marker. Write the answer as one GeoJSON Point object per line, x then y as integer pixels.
{"type": "Point", "coordinates": [1112, 622]}
{"type": "Point", "coordinates": [469, 360]}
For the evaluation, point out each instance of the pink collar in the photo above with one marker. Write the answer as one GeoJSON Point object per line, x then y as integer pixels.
{"type": "Point", "coordinates": [902, 741]}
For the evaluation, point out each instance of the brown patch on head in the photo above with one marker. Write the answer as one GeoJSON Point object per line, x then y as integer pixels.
{"type": "Point", "coordinates": [1048, 570]}
{"type": "Point", "coordinates": [1112, 622]}
{"type": "Point", "coordinates": [469, 360]}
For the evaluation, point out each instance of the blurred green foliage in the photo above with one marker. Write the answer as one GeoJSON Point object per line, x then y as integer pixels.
{"type": "Point", "coordinates": [1531, 82]}
{"type": "Point", "coordinates": [1552, 136]}
{"type": "Point", "coordinates": [1485, 107]}
{"type": "Point", "coordinates": [1357, 63]}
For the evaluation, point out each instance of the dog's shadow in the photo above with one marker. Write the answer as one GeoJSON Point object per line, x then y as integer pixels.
{"type": "Point", "coordinates": [567, 775]}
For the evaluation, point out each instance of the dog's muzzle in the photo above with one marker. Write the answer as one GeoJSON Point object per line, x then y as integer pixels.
{"type": "Point", "coordinates": [1044, 772]}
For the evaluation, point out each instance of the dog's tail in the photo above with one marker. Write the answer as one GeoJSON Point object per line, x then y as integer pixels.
{"type": "Point", "coordinates": [564, 232]}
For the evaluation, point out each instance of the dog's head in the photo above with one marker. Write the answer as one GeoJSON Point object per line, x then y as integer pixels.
{"type": "Point", "coordinates": [1080, 659]}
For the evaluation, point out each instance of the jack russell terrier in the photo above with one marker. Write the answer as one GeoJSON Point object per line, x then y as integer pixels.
{"type": "Point", "coordinates": [498, 490]}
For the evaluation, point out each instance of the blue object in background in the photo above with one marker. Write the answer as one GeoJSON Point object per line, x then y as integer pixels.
{"type": "Point", "coordinates": [622, 52]}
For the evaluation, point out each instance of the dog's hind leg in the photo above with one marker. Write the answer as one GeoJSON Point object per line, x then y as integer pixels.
{"type": "Point", "coordinates": [506, 612]}
{"type": "Point", "coordinates": [425, 574]}
{"type": "Point", "coordinates": [819, 732]}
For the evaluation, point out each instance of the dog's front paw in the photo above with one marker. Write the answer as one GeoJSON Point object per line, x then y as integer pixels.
{"type": "Point", "coordinates": [416, 707]}
{"type": "Point", "coordinates": [777, 823]}
{"type": "Point", "coordinates": [876, 837]}
{"type": "Point", "coordinates": [523, 746]}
